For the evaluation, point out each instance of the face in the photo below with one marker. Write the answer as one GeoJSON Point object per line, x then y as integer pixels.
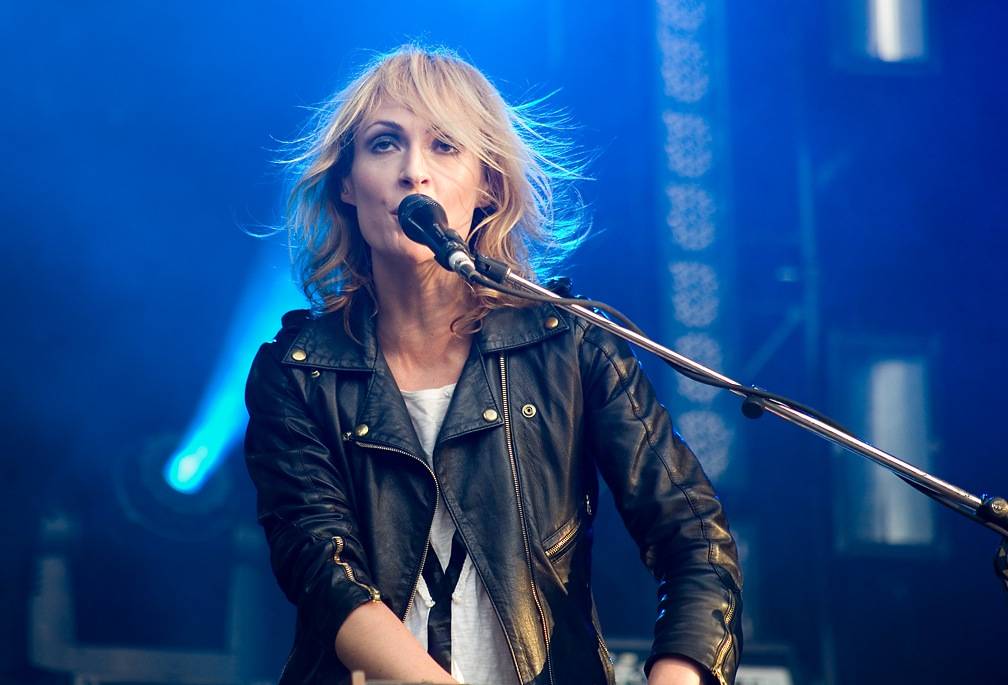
{"type": "Point", "coordinates": [397, 153]}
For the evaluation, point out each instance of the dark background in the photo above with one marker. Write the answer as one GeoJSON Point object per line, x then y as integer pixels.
{"type": "Point", "coordinates": [139, 138]}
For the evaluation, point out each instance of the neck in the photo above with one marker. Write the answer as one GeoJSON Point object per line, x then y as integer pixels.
{"type": "Point", "coordinates": [417, 304]}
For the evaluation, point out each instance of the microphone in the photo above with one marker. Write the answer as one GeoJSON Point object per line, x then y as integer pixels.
{"type": "Point", "coordinates": [424, 221]}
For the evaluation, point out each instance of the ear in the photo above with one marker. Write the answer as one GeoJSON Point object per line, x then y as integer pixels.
{"type": "Point", "coordinates": [347, 193]}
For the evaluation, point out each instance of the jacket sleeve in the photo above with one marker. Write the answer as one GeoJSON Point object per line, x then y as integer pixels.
{"type": "Point", "coordinates": [668, 506]}
{"type": "Point", "coordinates": [304, 503]}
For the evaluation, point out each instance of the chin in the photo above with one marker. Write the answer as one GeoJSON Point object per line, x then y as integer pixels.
{"type": "Point", "coordinates": [406, 256]}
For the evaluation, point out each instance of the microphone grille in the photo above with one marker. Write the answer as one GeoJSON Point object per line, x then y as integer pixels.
{"type": "Point", "coordinates": [421, 209]}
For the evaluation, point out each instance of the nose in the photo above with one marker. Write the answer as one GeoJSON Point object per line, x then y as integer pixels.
{"type": "Point", "coordinates": [414, 173]}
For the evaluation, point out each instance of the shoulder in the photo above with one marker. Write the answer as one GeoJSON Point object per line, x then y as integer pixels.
{"type": "Point", "coordinates": [292, 325]}
{"type": "Point", "coordinates": [303, 341]}
{"type": "Point", "coordinates": [330, 340]}
{"type": "Point", "coordinates": [600, 350]}
{"type": "Point", "coordinates": [564, 332]}
{"type": "Point", "coordinates": [586, 332]}
{"type": "Point", "coordinates": [300, 329]}
{"type": "Point", "coordinates": [296, 319]}
{"type": "Point", "coordinates": [540, 320]}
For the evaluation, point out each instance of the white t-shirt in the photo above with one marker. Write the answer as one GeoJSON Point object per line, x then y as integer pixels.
{"type": "Point", "coordinates": [479, 650]}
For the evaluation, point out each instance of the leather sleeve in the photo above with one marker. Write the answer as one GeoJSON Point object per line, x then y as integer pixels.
{"type": "Point", "coordinates": [303, 499]}
{"type": "Point", "coordinates": [667, 505]}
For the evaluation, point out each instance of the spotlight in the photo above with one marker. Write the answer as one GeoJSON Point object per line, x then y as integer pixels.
{"type": "Point", "coordinates": [154, 502]}
{"type": "Point", "coordinates": [874, 33]}
{"type": "Point", "coordinates": [220, 418]}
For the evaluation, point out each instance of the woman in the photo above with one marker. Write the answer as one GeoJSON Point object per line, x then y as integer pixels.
{"type": "Point", "coordinates": [426, 454]}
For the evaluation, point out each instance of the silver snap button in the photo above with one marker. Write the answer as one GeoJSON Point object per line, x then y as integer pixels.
{"type": "Point", "coordinates": [528, 411]}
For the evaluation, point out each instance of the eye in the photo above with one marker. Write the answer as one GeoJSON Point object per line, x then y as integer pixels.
{"type": "Point", "coordinates": [444, 147]}
{"type": "Point", "coordinates": [383, 143]}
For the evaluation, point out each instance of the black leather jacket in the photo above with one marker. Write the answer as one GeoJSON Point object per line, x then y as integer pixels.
{"type": "Point", "coordinates": [543, 404]}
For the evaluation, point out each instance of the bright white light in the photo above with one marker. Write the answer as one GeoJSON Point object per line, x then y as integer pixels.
{"type": "Point", "coordinates": [896, 30]}
{"type": "Point", "coordinates": [709, 437]}
{"type": "Point", "coordinates": [685, 15]}
{"type": "Point", "coordinates": [898, 421]}
{"type": "Point", "coordinates": [684, 68]}
{"type": "Point", "coordinates": [188, 465]}
{"type": "Point", "coordinates": [705, 350]}
{"type": "Point", "coordinates": [695, 298]}
{"type": "Point", "coordinates": [690, 216]}
{"type": "Point", "coordinates": [687, 144]}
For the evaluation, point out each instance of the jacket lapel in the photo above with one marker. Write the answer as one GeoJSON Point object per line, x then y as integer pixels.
{"type": "Point", "coordinates": [512, 327]}
{"type": "Point", "coordinates": [473, 406]}
{"type": "Point", "coordinates": [324, 344]}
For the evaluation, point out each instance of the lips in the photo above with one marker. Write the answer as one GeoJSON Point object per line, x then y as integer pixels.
{"type": "Point", "coordinates": [395, 211]}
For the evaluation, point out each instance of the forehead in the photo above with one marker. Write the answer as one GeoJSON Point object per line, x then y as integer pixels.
{"type": "Point", "coordinates": [425, 111]}
{"type": "Point", "coordinates": [396, 114]}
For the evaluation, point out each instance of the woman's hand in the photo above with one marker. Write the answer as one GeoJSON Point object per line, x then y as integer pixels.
{"type": "Point", "coordinates": [672, 670]}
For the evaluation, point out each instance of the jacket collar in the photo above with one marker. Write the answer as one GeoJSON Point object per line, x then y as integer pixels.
{"type": "Point", "coordinates": [323, 342]}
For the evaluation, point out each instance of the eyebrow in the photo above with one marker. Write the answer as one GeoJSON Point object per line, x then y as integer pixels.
{"type": "Point", "coordinates": [383, 122]}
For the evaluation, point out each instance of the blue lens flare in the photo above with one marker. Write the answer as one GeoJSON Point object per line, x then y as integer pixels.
{"type": "Point", "coordinates": [220, 419]}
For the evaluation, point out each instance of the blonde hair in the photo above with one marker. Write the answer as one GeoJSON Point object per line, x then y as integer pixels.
{"type": "Point", "coordinates": [528, 173]}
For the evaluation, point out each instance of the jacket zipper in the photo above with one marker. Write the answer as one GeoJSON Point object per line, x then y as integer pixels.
{"type": "Point", "coordinates": [722, 652]}
{"type": "Point", "coordinates": [605, 650]}
{"type": "Point", "coordinates": [500, 619]}
{"type": "Point", "coordinates": [437, 492]}
{"type": "Point", "coordinates": [423, 557]}
{"type": "Point", "coordinates": [564, 540]}
{"type": "Point", "coordinates": [339, 543]}
{"type": "Point", "coordinates": [521, 509]}
{"type": "Point", "coordinates": [559, 546]}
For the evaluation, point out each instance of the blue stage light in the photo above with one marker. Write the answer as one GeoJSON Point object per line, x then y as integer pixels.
{"type": "Point", "coordinates": [187, 466]}
{"type": "Point", "coordinates": [220, 419]}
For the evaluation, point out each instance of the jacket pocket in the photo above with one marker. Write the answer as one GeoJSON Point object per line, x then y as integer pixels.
{"type": "Point", "coordinates": [564, 537]}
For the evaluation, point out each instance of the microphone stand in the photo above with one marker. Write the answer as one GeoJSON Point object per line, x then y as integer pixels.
{"type": "Point", "coordinates": [988, 511]}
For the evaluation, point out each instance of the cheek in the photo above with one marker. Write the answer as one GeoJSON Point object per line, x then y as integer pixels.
{"type": "Point", "coordinates": [364, 186]}
{"type": "Point", "coordinates": [371, 177]}
{"type": "Point", "coordinates": [464, 196]}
